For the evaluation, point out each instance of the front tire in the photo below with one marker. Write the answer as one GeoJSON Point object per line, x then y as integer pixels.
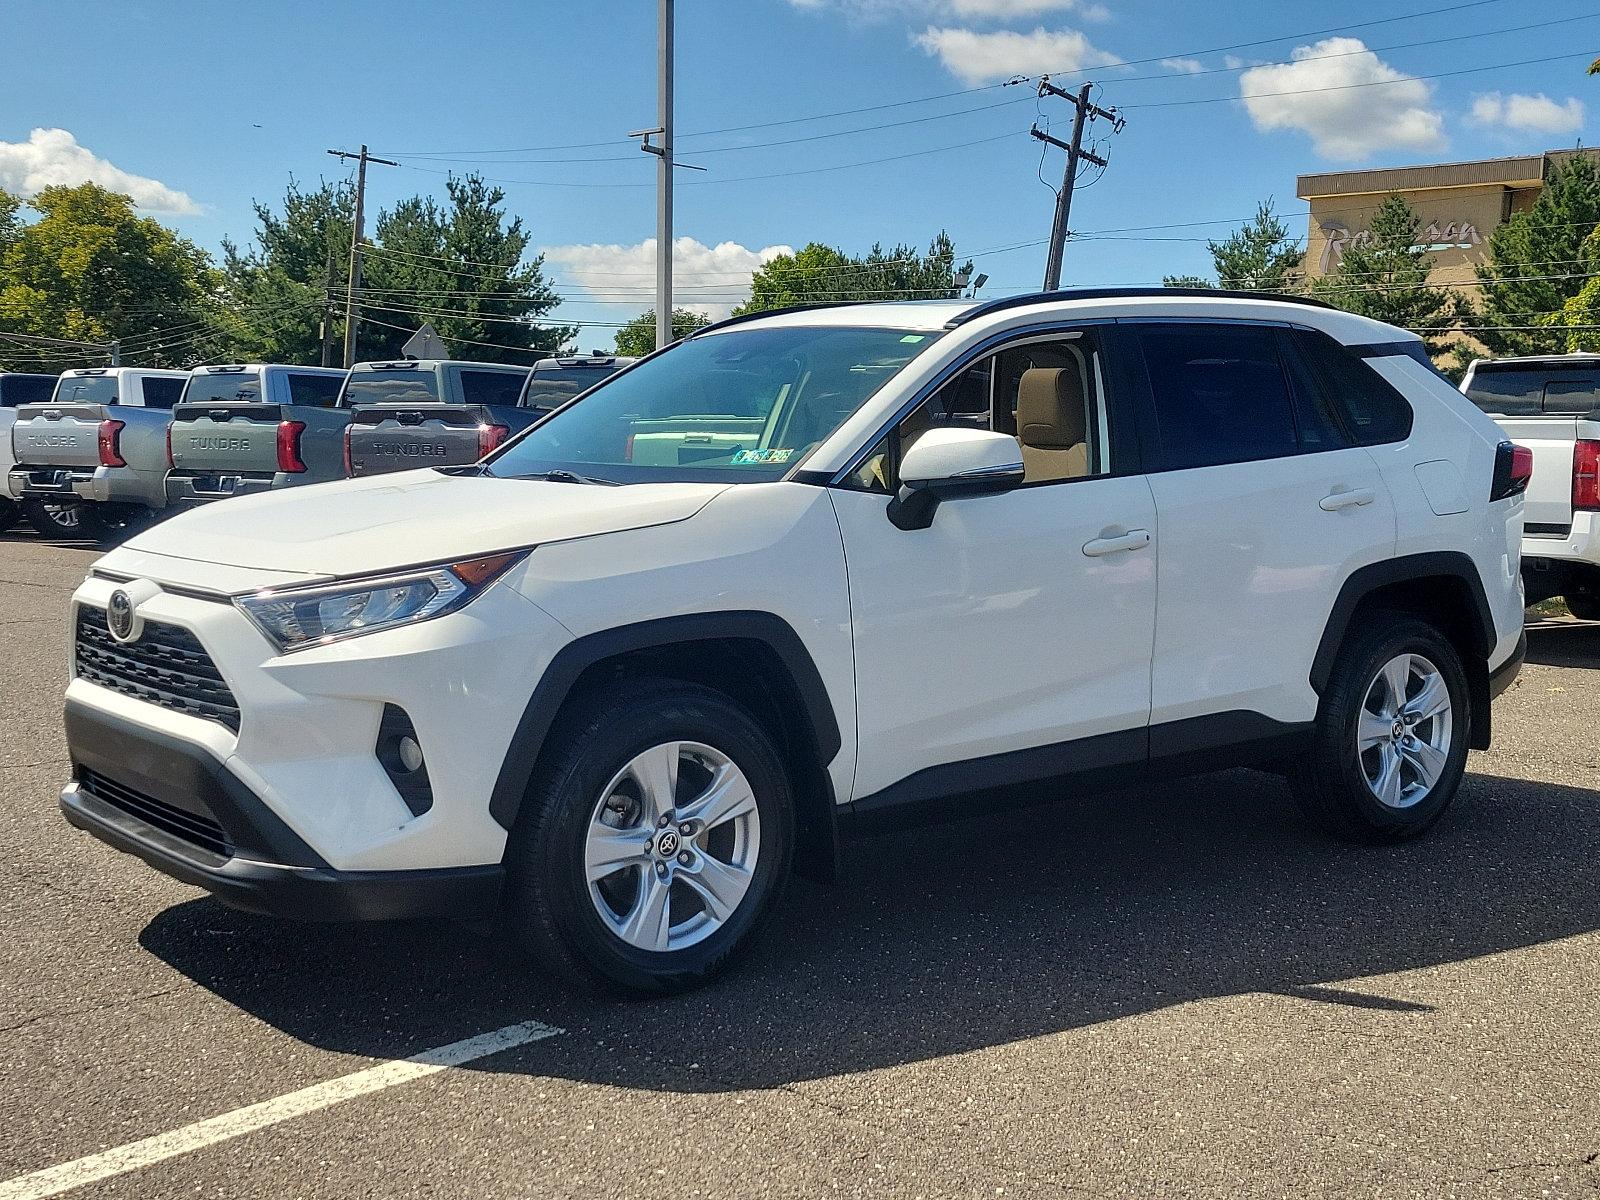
{"type": "Point", "coordinates": [1584, 605]}
{"type": "Point", "coordinates": [1390, 744]}
{"type": "Point", "coordinates": [652, 841]}
{"type": "Point", "coordinates": [64, 520]}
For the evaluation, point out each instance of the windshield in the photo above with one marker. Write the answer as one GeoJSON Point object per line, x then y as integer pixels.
{"type": "Point", "coordinates": [224, 386]}
{"type": "Point", "coordinates": [743, 406]}
{"type": "Point", "coordinates": [86, 389]}
{"type": "Point", "coordinates": [551, 389]}
{"type": "Point", "coordinates": [390, 387]}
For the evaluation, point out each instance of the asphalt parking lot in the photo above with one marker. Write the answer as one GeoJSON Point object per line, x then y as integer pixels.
{"type": "Point", "coordinates": [1166, 992]}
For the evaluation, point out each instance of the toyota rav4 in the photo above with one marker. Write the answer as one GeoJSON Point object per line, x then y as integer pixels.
{"type": "Point", "coordinates": [900, 559]}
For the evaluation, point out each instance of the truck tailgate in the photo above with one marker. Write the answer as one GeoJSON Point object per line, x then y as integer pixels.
{"type": "Point", "coordinates": [226, 438]}
{"type": "Point", "coordinates": [58, 435]}
{"type": "Point", "coordinates": [1548, 505]}
{"type": "Point", "coordinates": [399, 437]}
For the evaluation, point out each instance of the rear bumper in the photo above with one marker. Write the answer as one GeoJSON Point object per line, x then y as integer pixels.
{"type": "Point", "coordinates": [187, 489]}
{"type": "Point", "coordinates": [140, 792]}
{"type": "Point", "coordinates": [123, 485]}
{"type": "Point", "coordinates": [45, 483]}
{"type": "Point", "coordinates": [1506, 673]}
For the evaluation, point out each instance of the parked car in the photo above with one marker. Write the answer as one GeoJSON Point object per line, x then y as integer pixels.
{"type": "Point", "coordinates": [252, 427]}
{"type": "Point", "coordinates": [554, 381]}
{"type": "Point", "coordinates": [16, 388]}
{"type": "Point", "coordinates": [429, 413]}
{"type": "Point", "coordinates": [1084, 539]}
{"type": "Point", "coordinates": [92, 456]}
{"type": "Point", "coordinates": [1551, 405]}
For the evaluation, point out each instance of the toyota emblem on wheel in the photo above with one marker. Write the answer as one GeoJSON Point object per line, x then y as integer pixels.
{"type": "Point", "coordinates": [119, 616]}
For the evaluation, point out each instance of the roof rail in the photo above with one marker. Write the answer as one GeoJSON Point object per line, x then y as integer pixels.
{"type": "Point", "coordinates": [1118, 293]}
{"type": "Point", "coordinates": [772, 312]}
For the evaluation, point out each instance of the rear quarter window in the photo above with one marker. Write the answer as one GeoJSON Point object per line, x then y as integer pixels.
{"type": "Point", "coordinates": [314, 391]}
{"type": "Point", "coordinates": [1372, 412]}
{"type": "Point", "coordinates": [491, 387]}
{"type": "Point", "coordinates": [162, 393]}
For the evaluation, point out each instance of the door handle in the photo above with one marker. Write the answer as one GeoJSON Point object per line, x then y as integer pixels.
{"type": "Point", "coordinates": [1337, 499]}
{"type": "Point", "coordinates": [1134, 539]}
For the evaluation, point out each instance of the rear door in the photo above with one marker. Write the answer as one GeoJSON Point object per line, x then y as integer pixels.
{"type": "Point", "coordinates": [1265, 509]}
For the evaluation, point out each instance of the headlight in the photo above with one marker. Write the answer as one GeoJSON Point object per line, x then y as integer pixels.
{"type": "Point", "coordinates": [299, 618]}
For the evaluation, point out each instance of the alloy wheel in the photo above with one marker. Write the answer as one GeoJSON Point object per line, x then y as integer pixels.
{"type": "Point", "coordinates": [1404, 730]}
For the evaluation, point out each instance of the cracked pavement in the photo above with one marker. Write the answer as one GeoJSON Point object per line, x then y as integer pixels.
{"type": "Point", "coordinates": [1163, 992]}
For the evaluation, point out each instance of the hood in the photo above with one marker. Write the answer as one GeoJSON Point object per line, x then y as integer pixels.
{"type": "Point", "coordinates": [361, 526]}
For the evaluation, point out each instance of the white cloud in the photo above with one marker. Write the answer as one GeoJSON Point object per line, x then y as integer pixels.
{"type": "Point", "coordinates": [977, 58]}
{"type": "Point", "coordinates": [1234, 63]}
{"type": "Point", "coordinates": [53, 156]}
{"type": "Point", "coordinates": [1528, 114]}
{"type": "Point", "coordinates": [1185, 66]}
{"type": "Point", "coordinates": [966, 10]}
{"type": "Point", "coordinates": [713, 280]}
{"type": "Point", "coordinates": [1326, 100]}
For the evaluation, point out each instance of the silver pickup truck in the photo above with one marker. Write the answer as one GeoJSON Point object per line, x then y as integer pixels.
{"type": "Point", "coordinates": [91, 457]}
{"type": "Point", "coordinates": [431, 413]}
{"type": "Point", "coordinates": [252, 427]}
{"type": "Point", "coordinates": [16, 389]}
{"type": "Point", "coordinates": [1551, 405]}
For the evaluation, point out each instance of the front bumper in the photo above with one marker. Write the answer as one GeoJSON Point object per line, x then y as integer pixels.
{"type": "Point", "coordinates": [141, 792]}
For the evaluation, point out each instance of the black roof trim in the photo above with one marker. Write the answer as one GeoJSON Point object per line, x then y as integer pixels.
{"type": "Point", "coordinates": [1119, 293]}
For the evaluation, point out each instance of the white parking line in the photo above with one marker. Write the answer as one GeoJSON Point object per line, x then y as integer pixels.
{"type": "Point", "coordinates": [52, 1181]}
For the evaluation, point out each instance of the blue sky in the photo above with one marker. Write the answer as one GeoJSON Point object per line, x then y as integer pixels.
{"type": "Point", "coordinates": [214, 104]}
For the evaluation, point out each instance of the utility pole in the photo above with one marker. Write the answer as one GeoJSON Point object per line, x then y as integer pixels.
{"type": "Point", "coordinates": [664, 166]}
{"type": "Point", "coordinates": [352, 307]}
{"type": "Point", "coordinates": [325, 328]}
{"type": "Point", "coordinates": [1084, 112]}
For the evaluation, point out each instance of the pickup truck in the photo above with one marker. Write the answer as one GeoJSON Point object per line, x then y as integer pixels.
{"type": "Point", "coordinates": [16, 389]}
{"type": "Point", "coordinates": [1552, 406]}
{"type": "Point", "coordinates": [90, 459]}
{"type": "Point", "coordinates": [430, 413]}
{"type": "Point", "coordinates": [251, 427]}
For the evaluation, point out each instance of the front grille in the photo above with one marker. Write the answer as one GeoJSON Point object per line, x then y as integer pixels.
{"type": "Point", "coordinates": [166, 666]}
{"type": "Point", "coordinates": [190, 827]}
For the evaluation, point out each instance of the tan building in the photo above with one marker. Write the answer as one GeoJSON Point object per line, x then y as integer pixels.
{"type": "Point", "coordinates": [1460, 205]}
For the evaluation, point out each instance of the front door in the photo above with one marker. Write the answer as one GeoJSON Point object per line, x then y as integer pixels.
{"type": "Point", "coordinates": [1017, 625]}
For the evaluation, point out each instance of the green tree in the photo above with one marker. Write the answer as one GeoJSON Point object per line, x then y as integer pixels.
{"type": "Point", "coordinates": [1261, 257]}
{"type": "Point", "coordinates": [819, 274]}
{"type": "Point", "coordinates": [638, 336]}
{"type": "Point", "coordinates": [1539, 264]}
{"type": "Point", "coordinates": [1384, 275]}
{"type": "Point", "coordinates": [90, 269]}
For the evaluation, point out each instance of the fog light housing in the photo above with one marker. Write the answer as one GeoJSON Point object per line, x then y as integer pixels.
{"type": "Point", "coordinates": [399, 752]}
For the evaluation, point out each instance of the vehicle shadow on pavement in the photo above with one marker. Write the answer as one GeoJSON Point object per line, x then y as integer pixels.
{"type": "Point", "coordinates": [960, 937]}
{"type": "Point", "coordinates": [1564, 643]}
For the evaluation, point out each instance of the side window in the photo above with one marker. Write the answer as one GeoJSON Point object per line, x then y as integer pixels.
{"type": "Point", "coordinates": [1219, 393]}
{"type": "Point", "coordinates": [314, 391]}
{"type": "Point", "coordinates": [162, 393]}
{"type": "Point", "coordinates": [1320, 424]}
{"type": "Point", "coordinates": [491, 387]}
{"type": "Point", "coordinates": [1372, 411]}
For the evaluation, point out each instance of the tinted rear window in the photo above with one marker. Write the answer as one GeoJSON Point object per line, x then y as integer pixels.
{"type": "Point", "coordinates": [86, 389]}
{"type": "Point", "coordinates": [547, 389]}
{"type": "Point", "coordinates": [1523, 389]}
{"type": "Point", "coordinates": [25, 389]}
{"type": "Point", "coordinates": [1371, 411]}
{"type": "Point", "coordinates": [390, 387]}
{"type": "Point", "coordinates": [223, 386]}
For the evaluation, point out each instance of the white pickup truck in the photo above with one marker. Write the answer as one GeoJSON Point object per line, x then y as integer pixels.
{"type": "Point", "coordinates": [1552, 406]}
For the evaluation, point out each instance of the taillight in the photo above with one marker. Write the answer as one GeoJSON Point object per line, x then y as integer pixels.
{"type": "Point", "coordinates": [110, 444]}
{"type": "Point", "coordinates": [170, 461]}
{"type": "Point", "coordinates": [1513, 467]}
{"type": "Point", "coordinates": [289, 446]}
{"type": "Point", "coordinates": [1586, 476]}
{"type": "Point", "coordinates": [490, 436]}
{"type": "Point", "coordinates": [349, 467]}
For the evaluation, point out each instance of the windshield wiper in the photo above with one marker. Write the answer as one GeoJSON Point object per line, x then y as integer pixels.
{"type": "Point", "coordinates": [570, 477]}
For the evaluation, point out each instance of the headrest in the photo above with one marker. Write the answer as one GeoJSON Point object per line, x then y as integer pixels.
{"type": "Point", "coordinates": [1050, 409]}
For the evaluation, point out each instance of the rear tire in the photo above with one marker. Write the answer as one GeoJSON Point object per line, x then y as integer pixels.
{"type": "Point", "coordinates": [1381, 770]}
{"type": "Point", "coordinates": [652, 841]}
{"type": "Point", "coordinates": [1584, 605]}
{"type": "Point", "coordinates": [66, 520]}
{"type": "Point", "coordinates": [8, 514]}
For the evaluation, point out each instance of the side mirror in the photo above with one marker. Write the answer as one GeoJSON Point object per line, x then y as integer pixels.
{"type": "Point", "coordinates": [944, 464]}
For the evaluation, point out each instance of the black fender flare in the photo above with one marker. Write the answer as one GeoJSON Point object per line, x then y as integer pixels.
{"type": "Point", "coordinates": [1479, 620]}
{"type": "Point", "coordinates": [569, 664]}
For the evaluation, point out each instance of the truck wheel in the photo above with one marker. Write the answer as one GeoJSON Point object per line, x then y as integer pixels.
{"type": "Point", "coordinates": [653, 841]}
{"type": "Point", "coordinates": [1584, 605]}
{"type": "Point", "coordinates": [64, 519]}
{"type": "Point", "coordinates": [8, 514]}
{"type": "Point", "coordinates": [1390, 743]}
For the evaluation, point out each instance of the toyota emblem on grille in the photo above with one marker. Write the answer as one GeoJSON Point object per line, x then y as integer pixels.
{"type": "Point", "coordinates": [119, 616]}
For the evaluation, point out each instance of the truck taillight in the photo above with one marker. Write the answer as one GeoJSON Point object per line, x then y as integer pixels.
{"type": "Point", "coordinates": [349, 466]}
{"type": "Point", "coordinates": [110, 444]}
{"type": "Point", "coordinates": [1513, 467]}
{"type": "Point", "coordinates": [1586, 476]}
{"type": "Point", "coordinates": [289, 446]}
{"type": "Point", "coordinates": [490, 436]}
{"type": "Point", "coordinates": [170, 462]}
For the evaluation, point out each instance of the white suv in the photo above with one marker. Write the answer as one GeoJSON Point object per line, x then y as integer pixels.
{"type": "Point", "coordinates": [900, 558]}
